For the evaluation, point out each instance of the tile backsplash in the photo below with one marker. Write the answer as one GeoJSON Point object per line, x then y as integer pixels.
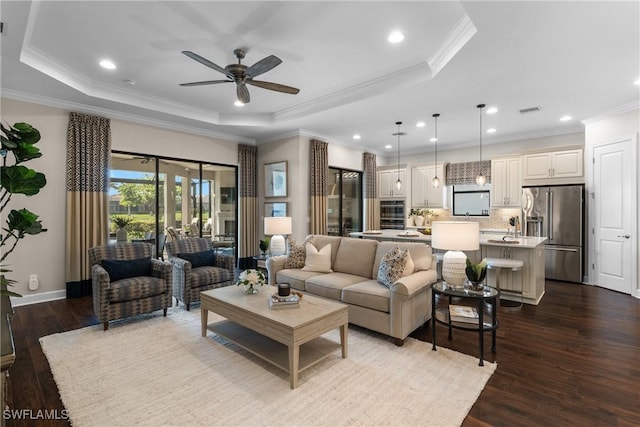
{"type": "Point", "coordinates": [497, 220]}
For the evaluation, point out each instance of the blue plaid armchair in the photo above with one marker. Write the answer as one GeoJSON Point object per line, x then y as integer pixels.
{"type": "Point", "coordinates": [198, 267]}
{"type": "Point", "coordinates": [128, 281]}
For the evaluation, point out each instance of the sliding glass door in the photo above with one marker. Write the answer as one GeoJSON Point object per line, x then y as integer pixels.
{"type": "Point", "coordinates": [344, 202]}
{"type": "Point", "coordinates": [154, 193]}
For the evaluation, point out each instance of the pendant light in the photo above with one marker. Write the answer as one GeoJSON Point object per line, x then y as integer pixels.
{"type": "Point", "coordinates": [436, 181]}
{"type": "Point", "coordinates": [398, 181]}
{"type": "Point", "coordinates": [481, 179]}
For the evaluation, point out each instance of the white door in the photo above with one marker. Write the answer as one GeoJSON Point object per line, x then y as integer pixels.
{"type": "Point", "coordinates": [615, 235]}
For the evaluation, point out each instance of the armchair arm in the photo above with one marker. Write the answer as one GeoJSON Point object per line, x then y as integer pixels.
{"type": "Point", "coordinates": [180, 272]}
{"type": "Point", "coordinates": [225, 261]}
{"type": "Point", "coordinates": [100, 282]}
{"type": "Point", "coordinates": [275, 264]}
{"type": "Point", "coordinates": [163, 270]}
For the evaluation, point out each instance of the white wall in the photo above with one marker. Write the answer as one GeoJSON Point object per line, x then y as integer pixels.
{"type": "Point", "coordinates": [607, 129]}
{"type": "Point", "coordinates": [44, 254]}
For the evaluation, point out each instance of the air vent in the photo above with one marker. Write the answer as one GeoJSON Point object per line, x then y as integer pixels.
{"type": "Point", "coordinates": [529, 110]}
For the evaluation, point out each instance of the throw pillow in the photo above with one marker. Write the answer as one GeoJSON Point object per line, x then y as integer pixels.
{"type": "Point", "coordinates": [296, 254]}
{"type": "Point", "coordinates": [200, 259]}
{"type": "Point", "coordinates": [126, 268]}
{"type": "Point", "coordinates": [409, 266]}
{"type": "Point", "coordinates": [392, 266]}
{"type": "Point", "coordinates": [317, 260]}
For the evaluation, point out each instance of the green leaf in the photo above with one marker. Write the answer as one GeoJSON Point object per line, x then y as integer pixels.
{"type": "Point", "coordinates": [24, 222]}
{"type": "Point", "coordinates": [22, 180]}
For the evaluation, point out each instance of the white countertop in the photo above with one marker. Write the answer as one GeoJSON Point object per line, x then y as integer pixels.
{"type": "Point", "coordinates": [485, 238]}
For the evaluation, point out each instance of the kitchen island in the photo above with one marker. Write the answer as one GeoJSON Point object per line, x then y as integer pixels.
{"type": "Point", "coordinates": [529, 250]}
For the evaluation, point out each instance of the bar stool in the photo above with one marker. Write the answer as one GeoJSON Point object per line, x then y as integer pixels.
{"type": "Point", "coordinates": [514, 265]}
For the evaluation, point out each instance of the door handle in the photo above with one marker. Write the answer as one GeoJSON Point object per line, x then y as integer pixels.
{"type": "Point", "coordinates": [548, 248]}
{"type": "Point", "coordinates": [626, 236]}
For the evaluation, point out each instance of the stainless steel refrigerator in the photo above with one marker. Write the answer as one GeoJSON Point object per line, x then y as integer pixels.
{"type": "Point", "coordinates": [557, 212]}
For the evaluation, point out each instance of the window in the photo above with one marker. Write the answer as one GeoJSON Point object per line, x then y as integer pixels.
{"type": "Point", "coordinates": [471, 200]}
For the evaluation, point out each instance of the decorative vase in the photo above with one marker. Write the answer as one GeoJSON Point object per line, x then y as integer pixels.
{"type": "Point", "coordinates": [251, 290]}
{"type": "Point", "coordinates": [474, 286]}
{"type": "Point", "coordinates": [121, 235]}
{"type": "Point", "coordinates": [419, 220]}
{"type": "Point", "coordinates": [412, 220]}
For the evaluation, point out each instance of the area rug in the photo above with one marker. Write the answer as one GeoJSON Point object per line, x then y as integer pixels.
{"type": "Point", "coordinates": [155, 371]}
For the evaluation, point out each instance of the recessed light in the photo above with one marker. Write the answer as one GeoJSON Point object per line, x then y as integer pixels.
{"type": "Point", "coordinates": [565, 118]}
{"type": "Point", "coordinates": [491, 130]}
{"type": "Point", "coordinates": [395, 37]}
{"type": "Point", "coordinates": [637, 82]}
{"type": "Point", "coordinates": [356, 136]}
{"type": "Point", "coordinates": [238, 103]}
{"type": "Point", "coordinates": [388, 146]}
{"type": "Point", "coordinates": [492, 110]}
{"type": "Point", "coordinates": [420, 124]}
{"type": "Point", "coordinates": [433, 139]}
{"type": "Point", "coordinates": [108, 64]}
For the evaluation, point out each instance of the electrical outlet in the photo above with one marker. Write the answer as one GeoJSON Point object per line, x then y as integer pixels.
{"type": "Point", "coordinates": [33, 282]}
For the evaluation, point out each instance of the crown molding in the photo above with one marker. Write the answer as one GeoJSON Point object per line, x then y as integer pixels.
{"type": "Point", "coordinates": [455, 41]}
{"type": "Point", "coordinates": [119, 115]}
{"type": "Point", "coordinates": [616, 111]}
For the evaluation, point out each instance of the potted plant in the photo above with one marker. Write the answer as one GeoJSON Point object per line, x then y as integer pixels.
{"type": "Point", "coordinates": [121, 222]}
{"type": "Point", "coordinates": [476, 274]}
{"type": "Point", "coordinates": [18, 140]}
{"type": "Point", "coordinates": [264, 246]}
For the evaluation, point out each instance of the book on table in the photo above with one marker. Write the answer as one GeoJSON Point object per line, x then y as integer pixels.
{"type": "Point", "coordinates": [463, 313]}
{"type": "Point", "coordinates": [278, 302]}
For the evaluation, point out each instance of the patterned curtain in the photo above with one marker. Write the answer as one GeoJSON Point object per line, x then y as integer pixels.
{"type": "Point", "coordinates": [465, 173]}
{"type": "Point", "coordinates": [87, 185]}
{"type": "Point", "coordinates": [319, 178]}
{"type": "Point", "coordinates": [248, 198]}
{"type": "Point", "coordinates": [372, 209]}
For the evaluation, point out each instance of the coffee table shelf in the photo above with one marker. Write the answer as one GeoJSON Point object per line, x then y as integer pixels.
{"type": "Point", "coordinates": [271, 350]}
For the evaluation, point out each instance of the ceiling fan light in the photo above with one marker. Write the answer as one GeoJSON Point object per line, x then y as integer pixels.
{"type": "Point", "coordinates": [238, 103]}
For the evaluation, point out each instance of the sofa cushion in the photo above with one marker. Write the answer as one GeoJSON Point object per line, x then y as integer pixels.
{"type": "Point", "coordinates": [420, 254]}
{"type": "Point", "coordinates": [331, 285]}
{"type": "Point", "coordinates": [355, 256]}
{"type": "Point", "coordinates": [409, 266]}
{"type": "Point", "coordinates": [392, 266]}
{"type": "Point", "coordinates": [369, 294]}
{"type": "Point", "coordinates": [200, 259]}
{"type": "Point", "coordinates": [295, 277]}
{"type": "Point", "coordinates": [317, 260]}
{"type": "Point", "coordinates": [119, 269]}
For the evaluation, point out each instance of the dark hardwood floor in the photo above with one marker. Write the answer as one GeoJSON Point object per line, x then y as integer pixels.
{"type": "Point", "coordinates": [572, 360]}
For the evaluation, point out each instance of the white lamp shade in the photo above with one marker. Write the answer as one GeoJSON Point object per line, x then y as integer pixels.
{"type": "Point", "coordinates": [455, 235]}
{"type": "Point", "coordinates": [277, 225]}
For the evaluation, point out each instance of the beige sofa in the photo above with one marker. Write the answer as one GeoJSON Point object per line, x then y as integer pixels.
{"type": "Point", "coordinates": [395, 311]}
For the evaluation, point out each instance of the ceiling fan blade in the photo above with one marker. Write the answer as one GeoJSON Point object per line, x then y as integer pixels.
{"type": "Point", "coordinates": [207, 82]}
{"type": "Point", "coordinates": [205, 61]}
{"type": "Point", "coordinates": [274, 86]}
{"type": "Point", "coordinates": [243, 93]}
{"type": "Point", "coordinates": [264, 65]}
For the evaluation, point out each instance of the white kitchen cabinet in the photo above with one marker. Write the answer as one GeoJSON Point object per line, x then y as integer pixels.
{"type": "Point", "coordinates": [387, 183]}
{"type": "Point", "coordinates": [423, 194]}
{"type": "Point", "coordinates": [555, 164]}
{"type": "Point", "coordinates": [506, 182]}
{"type": "Point", "coordinates": [529, 280]}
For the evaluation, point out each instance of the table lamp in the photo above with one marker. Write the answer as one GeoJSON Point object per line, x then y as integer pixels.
{"type": "Point", "coordinates": [455, 237]}
{"type": "Point", "coordinates": [276, 226]}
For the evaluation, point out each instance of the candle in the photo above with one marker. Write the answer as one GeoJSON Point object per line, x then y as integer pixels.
{"type": "Point", "coordinates": [284, 289]}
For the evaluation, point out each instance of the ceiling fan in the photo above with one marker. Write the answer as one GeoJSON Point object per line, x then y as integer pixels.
{"type": "Point", "coordinates": [242, 75]}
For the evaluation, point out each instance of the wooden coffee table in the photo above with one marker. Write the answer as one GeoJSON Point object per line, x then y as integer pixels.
{"type": "Point", "coordinates": [290, 339]}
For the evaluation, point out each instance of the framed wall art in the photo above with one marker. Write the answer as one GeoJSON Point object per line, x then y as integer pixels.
{"type": "Point", "coordinates": [275, 209]}
{"type": "Point", "coordinates": [275, 179]}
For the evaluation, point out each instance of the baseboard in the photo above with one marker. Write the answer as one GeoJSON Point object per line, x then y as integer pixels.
{"type": "Point", "coordinates": [38, 298]}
